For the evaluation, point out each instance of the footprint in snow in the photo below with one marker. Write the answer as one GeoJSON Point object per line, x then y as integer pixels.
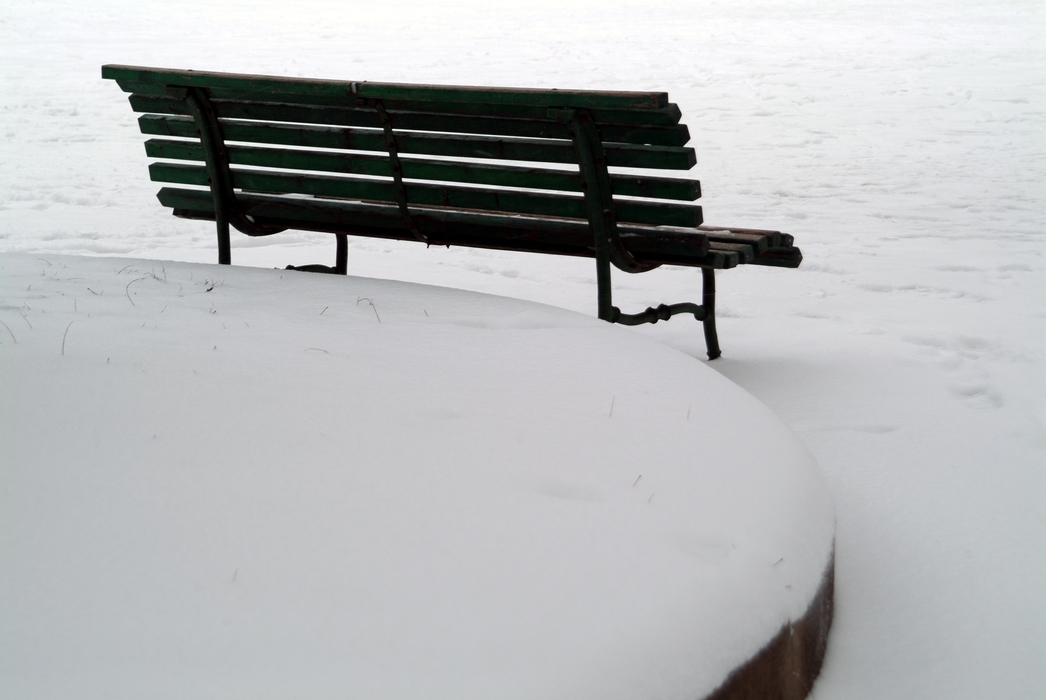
{"type": "Point", "coordinates": [978, 396]}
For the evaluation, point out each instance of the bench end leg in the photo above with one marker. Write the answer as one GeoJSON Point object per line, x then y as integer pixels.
{"type": "Point", "coordinates": [708, 301]}
{"type": "Point", "coordinates": [224, 252]}
{"type": "Point", "coordinates": [341, 261]}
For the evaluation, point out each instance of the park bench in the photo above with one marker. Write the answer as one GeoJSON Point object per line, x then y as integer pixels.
{"type": "Point", "coordinates": [561, 172]}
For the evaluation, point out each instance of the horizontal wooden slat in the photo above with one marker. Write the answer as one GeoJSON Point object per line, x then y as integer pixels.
{"type": "Point", "coordinates": [744, 252]}
{"type": "Point", "coordinates": [779, 257]}
{"type": "Point", "coordinates": [427, 169]}
{"type": "Point", "coordinates": [676, 135]}
{"type": "Point", "coordinates": [390, 91]}
{"type": "Point", "coordinates": [758, 242]}
{"type": "Point", "coordinates": [773, 239]}
{"type": "Point", "coordinates": [501, 148]}
{"type": "Point", "coordinates": [771, 248]}
{"type": "Point", "coordinates": [665, 116]}
{"type": "Point", "coordinates": [627, 211]}
{"type": "Point", "coordinates": [475, 229]}
{"type": "Point", "coordinates": [655, 187]}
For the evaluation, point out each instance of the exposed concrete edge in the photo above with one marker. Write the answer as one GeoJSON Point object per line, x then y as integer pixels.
{"type": "Point", "coordinates": [785, 669]}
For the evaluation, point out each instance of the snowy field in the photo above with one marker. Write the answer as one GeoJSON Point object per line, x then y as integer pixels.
{"type": "Point", "coordinates": [903, 146]}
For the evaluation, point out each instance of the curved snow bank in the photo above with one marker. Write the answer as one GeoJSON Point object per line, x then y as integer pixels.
{"type": "Point", "coordinates": [786, 668]}
{"type": "Point", "coordinates": [252, 483]}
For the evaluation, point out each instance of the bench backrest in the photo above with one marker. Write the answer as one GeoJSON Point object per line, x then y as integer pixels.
{"type": "Point", "coordinates": [474, 148]}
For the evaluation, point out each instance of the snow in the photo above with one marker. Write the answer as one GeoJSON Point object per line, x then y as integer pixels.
{"type": "Point", "coordinates": [225, 481]}
{"type": "Point", "coordinates": [901, 143]}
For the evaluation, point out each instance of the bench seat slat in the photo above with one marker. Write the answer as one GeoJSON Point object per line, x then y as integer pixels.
{"type": "Point", "coordinates": [457, 146]}
{"type": "Point", "coordinates": [391, 91]}
{"type": "Point", "coordinates": [758, 242]}
{"type": "Point", "coordinates": [627, 211]}
{"type": "Point", "coordinates": [774, 238]}
{"type": "Point", "coordinates": [428, 169]}
{"type": "Point", "coordinates": [744, 251]}
{"type": "Point", "coordinates": [676, 135]}
{"type": "Point", "coordinates": [785, 256]}
{"type": "Point", "coordinates": [466, 228]}
{"type": "Point", "coordinates": [665, 116]}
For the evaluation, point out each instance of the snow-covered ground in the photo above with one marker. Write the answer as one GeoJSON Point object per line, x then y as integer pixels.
{"type": "Point", "coordinates": [234, 482]}
{"type": "Point", "coordinates": [902, 144]}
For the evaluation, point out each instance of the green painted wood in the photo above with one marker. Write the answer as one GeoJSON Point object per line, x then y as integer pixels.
{"type": "Point", "coordinates": [501, 148]}
{"type": "Point", "coordinates": [676, 135]}
{"type": "Point", "coordinates": [514, 96]}
{"type": "Point", "coordinates": [665, 116]}
{"type": "Point", "coordinates": [426, 169]}
{"type": "Point", "coordinates": [655, 187]}
{"type": "Point", "coordinates": [659, 214]}
{"type": "Point", "coordinates": [423, 169]}
{"type": "Point", "coordinates": [348, 163]}
{"type": "Point", "coordinates": [484, 230]}
{"type": "Point", "coordinates": [390, 91]}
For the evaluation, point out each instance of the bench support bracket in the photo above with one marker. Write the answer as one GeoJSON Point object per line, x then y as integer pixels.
{"type": "Point", "coordinates": [599, 203]}
{"type": "Point", "coordinates": [226, 209]}
{"type": "Point", "coordinates": [397, 169]}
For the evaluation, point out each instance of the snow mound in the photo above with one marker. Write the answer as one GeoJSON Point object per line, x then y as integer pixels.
{"type": "Point", "coordinates": [235, 482]}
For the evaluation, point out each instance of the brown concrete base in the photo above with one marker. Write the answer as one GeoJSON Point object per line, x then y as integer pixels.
{"type": "Point", "coordinates": [786, 667]}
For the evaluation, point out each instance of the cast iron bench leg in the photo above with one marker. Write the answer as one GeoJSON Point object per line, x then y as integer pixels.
{"type": "Point", "coordinates": [341, 260]}
{"type": "Point", "coordinates": [224, 252]}
{"type": "Point", "coordinates": [708, 301]}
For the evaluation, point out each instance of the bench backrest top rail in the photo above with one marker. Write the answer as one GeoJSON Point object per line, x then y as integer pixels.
{"type": "Point", "coordinates": [390, 91]}
{"type": "Point", "coordinates": [665, 116]}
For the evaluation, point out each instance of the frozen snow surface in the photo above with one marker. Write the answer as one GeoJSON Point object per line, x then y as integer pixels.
{"type": "Point", "coordinates": [901, 143]}
{"type": "Point", "coordinates": [232, 482]}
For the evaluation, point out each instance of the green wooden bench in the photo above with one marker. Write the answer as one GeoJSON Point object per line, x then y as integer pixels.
{"type": "Point", "coordinates": [562, 172]}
